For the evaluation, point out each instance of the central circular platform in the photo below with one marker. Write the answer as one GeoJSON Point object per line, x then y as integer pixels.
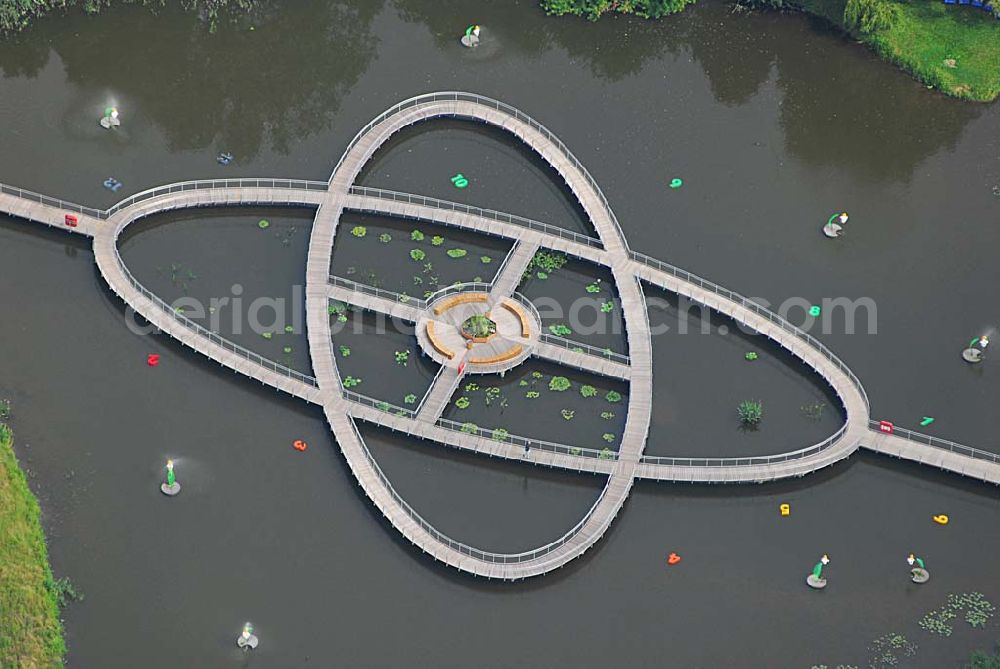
{"type": "Point", "coordinates": [485, 333]}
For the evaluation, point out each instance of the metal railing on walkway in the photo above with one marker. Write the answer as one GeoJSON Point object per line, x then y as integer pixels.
{"type": "Point", "coordinates": [499, 216]}
{"type": "Point", "coordinates": [937, 442]}
{"type": "Point", "coordinates": [580, 347]}
{"type": "Point", "coordinates": [51, 201]}
{"type": "Point", "coordinates": [747, 461]}
{"type": "Point", "coordinates": [200, 184]}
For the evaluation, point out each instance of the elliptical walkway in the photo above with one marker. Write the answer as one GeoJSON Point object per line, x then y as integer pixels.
{"type": "Point", "coordinates": [628, 267]}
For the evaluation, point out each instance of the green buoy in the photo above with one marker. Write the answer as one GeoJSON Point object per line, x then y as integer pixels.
{"type": "Point", "coordinates": [459, 181]}
{"type": "Point", "coordinates": [676, 183]}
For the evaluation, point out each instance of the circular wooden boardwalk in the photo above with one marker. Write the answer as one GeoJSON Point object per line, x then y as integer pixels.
{"type": "Point", "coordinates": [343, 407]}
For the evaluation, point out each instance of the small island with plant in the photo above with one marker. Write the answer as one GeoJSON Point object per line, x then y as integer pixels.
{"type": "Point", "coordinates": [478, 328]}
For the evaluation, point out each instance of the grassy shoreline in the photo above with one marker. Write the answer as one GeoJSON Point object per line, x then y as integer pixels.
{"type": "Point", "coordinates": [30, 629]}
{"type": "Point", "coordinates": [955, 49]}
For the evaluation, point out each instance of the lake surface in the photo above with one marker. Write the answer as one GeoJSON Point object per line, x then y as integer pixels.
{"type": "Point", "coordinates": [773, 122]}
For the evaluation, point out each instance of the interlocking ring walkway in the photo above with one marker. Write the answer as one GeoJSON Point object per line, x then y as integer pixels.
{"type": "Point", "coordinates": [344, 407]}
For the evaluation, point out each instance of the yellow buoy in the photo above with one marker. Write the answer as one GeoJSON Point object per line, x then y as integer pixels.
{"type": "Point", "coordinates": [785, 509]}
{"type": "Point", "coordinates": [941, 519]}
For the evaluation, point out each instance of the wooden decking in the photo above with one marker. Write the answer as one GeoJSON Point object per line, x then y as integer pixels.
{"type": "Point", "coordinates": [342, 407]}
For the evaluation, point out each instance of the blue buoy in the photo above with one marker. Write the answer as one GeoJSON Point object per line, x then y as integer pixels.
{"type": "Point", "coordinates": [224, 158]}
{"type": "Point", "coordinates": [112, 184]}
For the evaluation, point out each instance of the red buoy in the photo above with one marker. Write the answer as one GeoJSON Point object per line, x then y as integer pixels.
{"type": "Point", "coordinates": [673, 559]}
{"type": "Point", "coordinates": [153, 359]}
{"type": "Point", "coordinates": [299, 445]}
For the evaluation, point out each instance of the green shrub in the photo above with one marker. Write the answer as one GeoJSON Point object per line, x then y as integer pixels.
{"type": "Point", "coordinates": [613, 396]}
{"type": "Point", "coordinates": [593, 9]}
{"type": "Point", "coordinates": [470, 428]}
{"type": "Point", "coordinates": [410, 399]}
{"type": "Point", "coordinates": [500, 434]}
{"type": "Point", "coordinates": [437, 240]}
{"type": "Point", "coordinates": [750, 412]}
{"type": "Point", "coordinates": [870, 16]}
{"type": "Point", "coordinates": [457, 253]}
{"type": "Point", "coordinates": [560, 330]}
{"type": "Point", "coordinates": [359, 231]}
{"type": "Point", "coordinates": [463, 402]}
{"type": "Point", "coordinates": [417, 236]}
{"type": "Point", "coordinates": [385, 238]}
{"type": "Point", "coordinates": [588, 391]}
{"type": "Point", "coordinates": [417, 254]}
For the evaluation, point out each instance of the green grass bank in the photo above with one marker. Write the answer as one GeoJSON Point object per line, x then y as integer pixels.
{"type": "Point", "coordinates": [953, 48]}
{"type": "Point", "coordinates": [30, 629]}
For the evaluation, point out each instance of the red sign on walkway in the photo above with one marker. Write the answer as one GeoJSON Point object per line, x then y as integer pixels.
{"type": "Point", "coordinates": [885, 426]}
{"type": "Point", "coordinates": [71, 220]}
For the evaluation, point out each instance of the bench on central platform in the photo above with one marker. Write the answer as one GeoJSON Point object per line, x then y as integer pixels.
{"type": "Point", "coordinates": [438, 346]}
{"type": "Point", "coordinates": [500, 357]}
{"type": "Point", "coordinates": [516, 309]}
{"type": "Point", "coordinates": [464, 298]}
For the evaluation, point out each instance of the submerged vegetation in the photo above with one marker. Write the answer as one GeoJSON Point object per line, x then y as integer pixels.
{"type": "Point", "coordinates": [17, 14]}
{"type": "Point", "coordinates": [30, 632]}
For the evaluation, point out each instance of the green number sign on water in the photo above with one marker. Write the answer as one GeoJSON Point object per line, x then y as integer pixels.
{"type": "Point", "coordinates": [459, 181]}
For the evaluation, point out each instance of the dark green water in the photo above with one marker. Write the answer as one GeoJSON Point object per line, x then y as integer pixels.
{"type": "Point", "coordinates": [773, 123]}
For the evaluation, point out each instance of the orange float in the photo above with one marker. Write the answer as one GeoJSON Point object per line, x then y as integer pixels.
{"type": "Point", "coordinates": [299, 445]}
{"type": "Point", "coordinates": [673, 559]}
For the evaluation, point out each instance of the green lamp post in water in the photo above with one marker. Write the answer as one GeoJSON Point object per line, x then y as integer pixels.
{"type": "Point", "coordinates": [835, 225]}
{"type": "Point", "coordinates": [110, 118]}
{"type": "Point", "coordinates": [247, 638]}
{"type": "Point", "coordinates": [976, 349]}
{"type": "Point", "coordinates": [918, 572]}
{"type": "Point", "coordinates": [471, 36]}
{"type": "Point", "coordinates": [815, 579]}
{"type": "Point", "coordinates": [171, 487]}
